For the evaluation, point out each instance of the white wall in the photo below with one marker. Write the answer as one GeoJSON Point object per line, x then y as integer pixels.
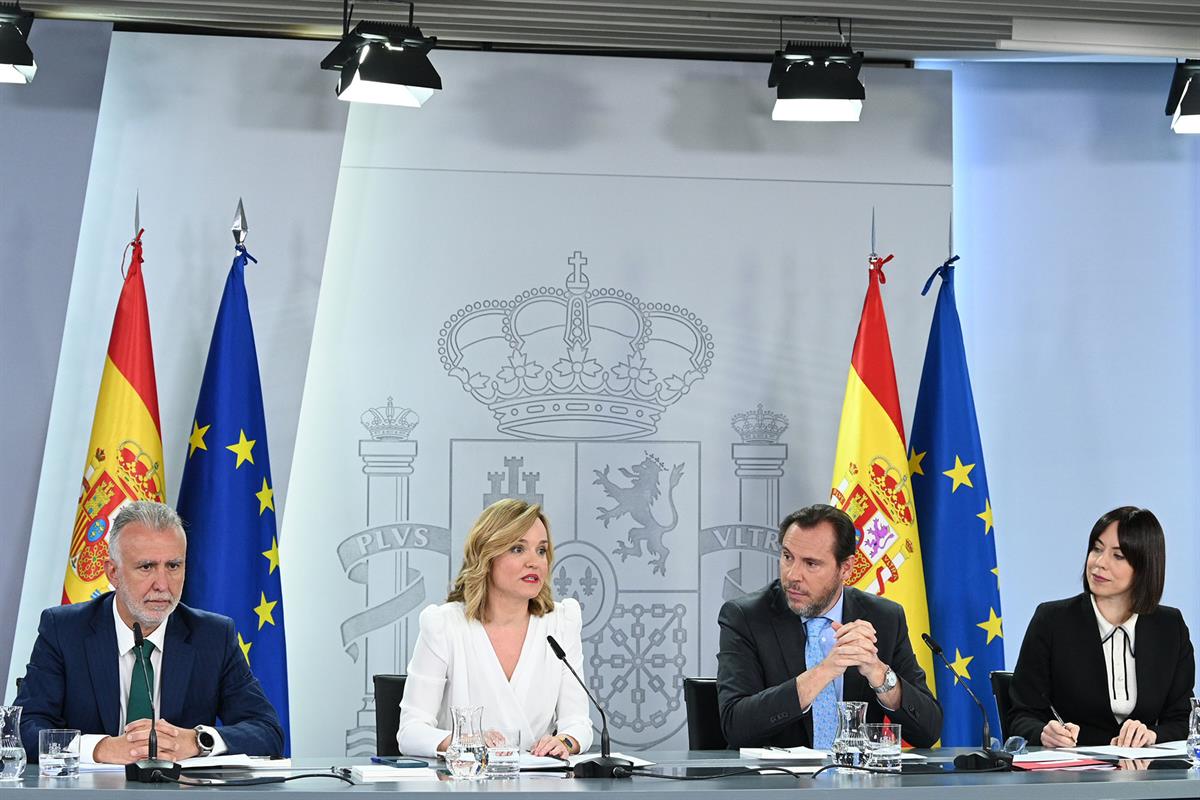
{"type": "Point", "coordinates": [193, 123]}
{"type": "Point", "coordinates": [1077, 213]}
{"type": "Point", "coordinates": [47, 128]}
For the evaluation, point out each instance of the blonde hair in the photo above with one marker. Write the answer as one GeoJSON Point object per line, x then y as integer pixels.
{"type": "Point", "coordinates": [499, 527]}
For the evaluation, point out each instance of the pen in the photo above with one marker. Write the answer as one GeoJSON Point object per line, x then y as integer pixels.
{"type": "Point", "coordinates": [1057, 716]}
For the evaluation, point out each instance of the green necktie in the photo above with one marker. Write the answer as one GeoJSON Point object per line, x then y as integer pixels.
{"type": "Point", "coordinates": [140, 685]}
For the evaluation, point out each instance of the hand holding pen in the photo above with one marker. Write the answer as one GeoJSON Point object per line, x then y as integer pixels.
{"type": "Point", "coordinates": [1058, 733]}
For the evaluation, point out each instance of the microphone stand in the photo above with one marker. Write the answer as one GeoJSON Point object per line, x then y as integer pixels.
{"type": "Point", "coordinates": [605, 766]}
{"type": "Point", "coordinates": [985, 759]}
{"type": "Point", "coordinates": [151, 769]}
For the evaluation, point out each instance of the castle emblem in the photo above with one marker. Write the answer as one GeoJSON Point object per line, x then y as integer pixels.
{"type": "Point", "coordinates": [575, 363]}
{"type": "Point", "coordinates": [637, 500]}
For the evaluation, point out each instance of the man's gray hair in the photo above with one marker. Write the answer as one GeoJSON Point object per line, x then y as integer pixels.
{"type": "Point", "coordinates": [155, 516]}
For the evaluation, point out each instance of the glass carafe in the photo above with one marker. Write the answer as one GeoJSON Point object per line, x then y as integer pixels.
{"type": "Point", "coordinates": [465, 753]}
{"type": "Point", "coordinates": [1193, 733]}
{"type": "Point", "coordinates": [848, 741]}
{"type": "Point", "coordinates": [12, 751]}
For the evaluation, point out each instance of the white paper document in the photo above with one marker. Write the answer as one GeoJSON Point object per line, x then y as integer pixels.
{"type": "Point", "coordinates": [383, 773]}
{"type": "Point", "coordinates": [248, 762]}
{"type": "Point", "coordinates": [1046, 757]}
{"type": "Point", "coordinates": [802, 754]}
{"type": "Point", "coordinates": [1112, 751]}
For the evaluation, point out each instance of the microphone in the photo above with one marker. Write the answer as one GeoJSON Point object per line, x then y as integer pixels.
{"type": "Point", "coordinates": [986, 759]}
{"type": "Point", "coordinates": [605, 766]}
{"type": "Point", "coordinates": [151, 769]}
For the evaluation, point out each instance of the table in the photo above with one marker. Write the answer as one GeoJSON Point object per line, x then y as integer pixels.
{"type": "Point", "coordinates": [1048, 785]}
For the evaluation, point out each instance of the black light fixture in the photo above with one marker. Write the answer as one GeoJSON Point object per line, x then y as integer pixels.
{"type": "Point", "coordinates": [1183, 101]}
{"type": "Point", "coordinates": [16, 59]}
{"type": "Point", "coordinates": [384, 62]}
{"type": "Point", "coordinates": [817, 81]}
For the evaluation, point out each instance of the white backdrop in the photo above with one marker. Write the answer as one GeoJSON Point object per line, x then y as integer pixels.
{"type": "Point", "coordinates": [671, 181]}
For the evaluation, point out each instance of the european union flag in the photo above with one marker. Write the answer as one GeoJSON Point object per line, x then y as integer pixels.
{"type": "Point", "coordinates": [951, 493]}
{"type": "Point", "coordinates": [227, 500]}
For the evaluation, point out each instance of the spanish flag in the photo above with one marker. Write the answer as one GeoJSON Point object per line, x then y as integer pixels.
{"type": "Point", "coordinates": [871, 473]}
{"type": "Point", "coordinates": [124, 461]}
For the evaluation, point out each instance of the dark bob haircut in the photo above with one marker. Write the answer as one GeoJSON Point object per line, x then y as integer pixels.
{"type": "Point", "coordinates": [845, 537]}
{"type": "Point", "coordinates": [1144, 547]}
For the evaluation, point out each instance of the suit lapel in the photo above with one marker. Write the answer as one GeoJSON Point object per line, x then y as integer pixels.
{"type": "Point", "coordinates": [1148, 670]}
{"type": "Point", "coordinates": [177, 658]}
{"type": "Point", "coordinates": [792, 638]}
{"type": "Point", "coordinates": [102, 656]}
{"type": "Point", "coordinates": [1093, 674]}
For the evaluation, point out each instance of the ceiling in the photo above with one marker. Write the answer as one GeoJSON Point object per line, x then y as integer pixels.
{"type": "Point", "coordinates": [722, 28]}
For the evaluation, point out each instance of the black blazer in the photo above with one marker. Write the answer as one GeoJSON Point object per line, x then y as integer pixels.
{"type": "Point", "coordinates": [762, 652]}
{"type": "Point", "coordinates": [1061, 663]}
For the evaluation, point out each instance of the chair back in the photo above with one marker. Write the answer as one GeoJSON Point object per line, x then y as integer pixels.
{"type": "Point", "coordinates": [703, 714]}
{"type": "Point", "coordinates": [389, 691]}
{"type": "Point", "coordinates": [1001, 681]}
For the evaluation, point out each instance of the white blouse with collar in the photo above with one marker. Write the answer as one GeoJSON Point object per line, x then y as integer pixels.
{"type": "Point", "coordinates": [1117, 643]}
{"type": "Point", "coordinates": [453, 664]}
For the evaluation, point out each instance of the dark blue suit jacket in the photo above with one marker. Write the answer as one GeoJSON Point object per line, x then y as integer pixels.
{"type": "Point", "coordinates": [72, 680]}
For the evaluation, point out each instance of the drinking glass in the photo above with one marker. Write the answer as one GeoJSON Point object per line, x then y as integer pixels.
{"type": "Point", "coordinates": [58, 753]}
{"type": "Point", "coordinates": [847, 742]}
{"type": "Point", "coordinates": [503, 754]}
{"type": "Point", "coordinates": [881, 746]}
{"type": "Point", "coordinates": [12, 751]}
{"type": "Point", "coordinates": [466, 752]}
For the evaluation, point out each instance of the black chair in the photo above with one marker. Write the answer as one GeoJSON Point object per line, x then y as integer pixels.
{"type": "Point", "coordinates": [389, 691]}
{"type": "Point", "coordinates": [1001, 681]}
{"type": "Point", "coordinates": [703, 714]}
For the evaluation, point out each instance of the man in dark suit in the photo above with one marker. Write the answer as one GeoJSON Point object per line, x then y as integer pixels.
{"type": "Point", "coordinates": [778, 686]}
{"type": "Point", "coordinates": [86, 673]}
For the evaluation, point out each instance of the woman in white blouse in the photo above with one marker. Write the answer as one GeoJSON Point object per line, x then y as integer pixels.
{"type": "Point", "coordinates": [486, 645]}
{"type": "Point", "coordinates": [1111, 665]}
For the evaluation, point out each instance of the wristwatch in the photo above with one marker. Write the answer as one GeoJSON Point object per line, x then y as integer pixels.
{"type": "Point", "coordinates": [204, 741]}
{"type": "Point", "coordinates": [889, 682]}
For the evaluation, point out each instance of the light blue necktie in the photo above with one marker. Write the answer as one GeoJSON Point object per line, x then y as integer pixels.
{"type": "Point", "coordinates": [824, 707]}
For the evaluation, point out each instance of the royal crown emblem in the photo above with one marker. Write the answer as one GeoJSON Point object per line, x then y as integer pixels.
{"type": "Point", "coordinates": [575, 363]}
{"type": "Point", "coordinates": [388, 423]}
{"type": "Point", "coordinates": [759, 426]}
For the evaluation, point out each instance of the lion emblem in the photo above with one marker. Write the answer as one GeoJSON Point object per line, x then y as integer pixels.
{"type": "Point", "coordinates": [637, 500]}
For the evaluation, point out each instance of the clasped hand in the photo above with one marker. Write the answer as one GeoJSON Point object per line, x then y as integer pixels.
{"type": "Point", "coordinates": [855, 646]}
{"type": "Point", "coordinates": [174, 744]}
{"type": "Point", "coordinates": [1131, 734]}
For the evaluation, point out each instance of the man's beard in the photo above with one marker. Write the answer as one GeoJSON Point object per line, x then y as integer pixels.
{"type": "Point", "coordinates": [146, 617]}
{"type": "Point", "coordinates": [818, 605]}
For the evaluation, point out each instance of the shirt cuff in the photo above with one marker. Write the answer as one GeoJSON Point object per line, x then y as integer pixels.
{"type": "Point", "coordinates": [219, 746]}
{"type": "Point", "coordinates": [87, 747]}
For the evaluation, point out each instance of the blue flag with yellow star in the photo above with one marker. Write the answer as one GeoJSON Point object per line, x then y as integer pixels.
{"type": "Point", "coordinates": [951, 494]}
{"type": "Point", "coordinates": [227, 501]}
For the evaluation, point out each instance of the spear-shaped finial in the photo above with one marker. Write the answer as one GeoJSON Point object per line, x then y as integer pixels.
{"type": "Point", "coordinates": [240, 228]}
{"type": "Point", "coordinates": [950, 238]}
{"type": "Point", "coordinates": [137, 213]}
{"type": "Point", "coordinates": [873, 253]}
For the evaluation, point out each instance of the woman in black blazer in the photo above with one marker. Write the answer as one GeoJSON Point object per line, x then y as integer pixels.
{"type": "Point", "coordinates": [1113, 663]}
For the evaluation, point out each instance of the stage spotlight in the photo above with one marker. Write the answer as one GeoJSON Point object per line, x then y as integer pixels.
{"type": "Point", "coordinates": [16, 59]}
{"type": "Point", "coordinates": [384, 63]}
{"type": "Point", "coordinates": [1183, 101]}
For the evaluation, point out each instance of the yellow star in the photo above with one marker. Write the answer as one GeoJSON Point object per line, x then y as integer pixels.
{"type": "Point", "coordinates": [196, 440]}
{"type": "Point", "coordinates": [986, 516]}
{"type": "Point", "coordinates": [264, 609]}
{"type": "Point", "coordinates": [996, 572]}
{"type": "Point", "coordinates": [960, 474]}
{"type": "Point", "coordinates": [992, 625]}
{"type": "Point", "coordinates": [243, 447]}
{"type": "Point", "coordinates": [914, 462]}
{"type": "Point", "coordinates": [245, 646]}
{"type": "Point", "coordinates": [272, 555]}
{"type": "Point", "coordinates": [266, 498]}
{"type": "Point", "coordinates": [959, 665]}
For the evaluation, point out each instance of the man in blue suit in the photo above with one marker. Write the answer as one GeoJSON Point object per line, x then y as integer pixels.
{"type": "Point", "coordinates": [86, 672]}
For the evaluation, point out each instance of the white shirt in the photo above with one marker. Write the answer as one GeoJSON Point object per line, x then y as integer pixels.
{"type": "Point", "coordinates": [454, 664]}
{"type": "Point", "coordinates": [1116, 641]}
{"type": "Point", "coordinates": [127, 662]}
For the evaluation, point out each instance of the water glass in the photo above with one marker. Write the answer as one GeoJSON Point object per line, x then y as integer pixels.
{"type": "Point", "coordinates": [12, 751]}
{"type": "Point", "coordinates": [58, 753]}
{"type": "Point", "coordinates": [881, 746]}
{"type": "Point", "coordinates": [466, 754]}
{"type": "Point", "coordinates": [503, 754]}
